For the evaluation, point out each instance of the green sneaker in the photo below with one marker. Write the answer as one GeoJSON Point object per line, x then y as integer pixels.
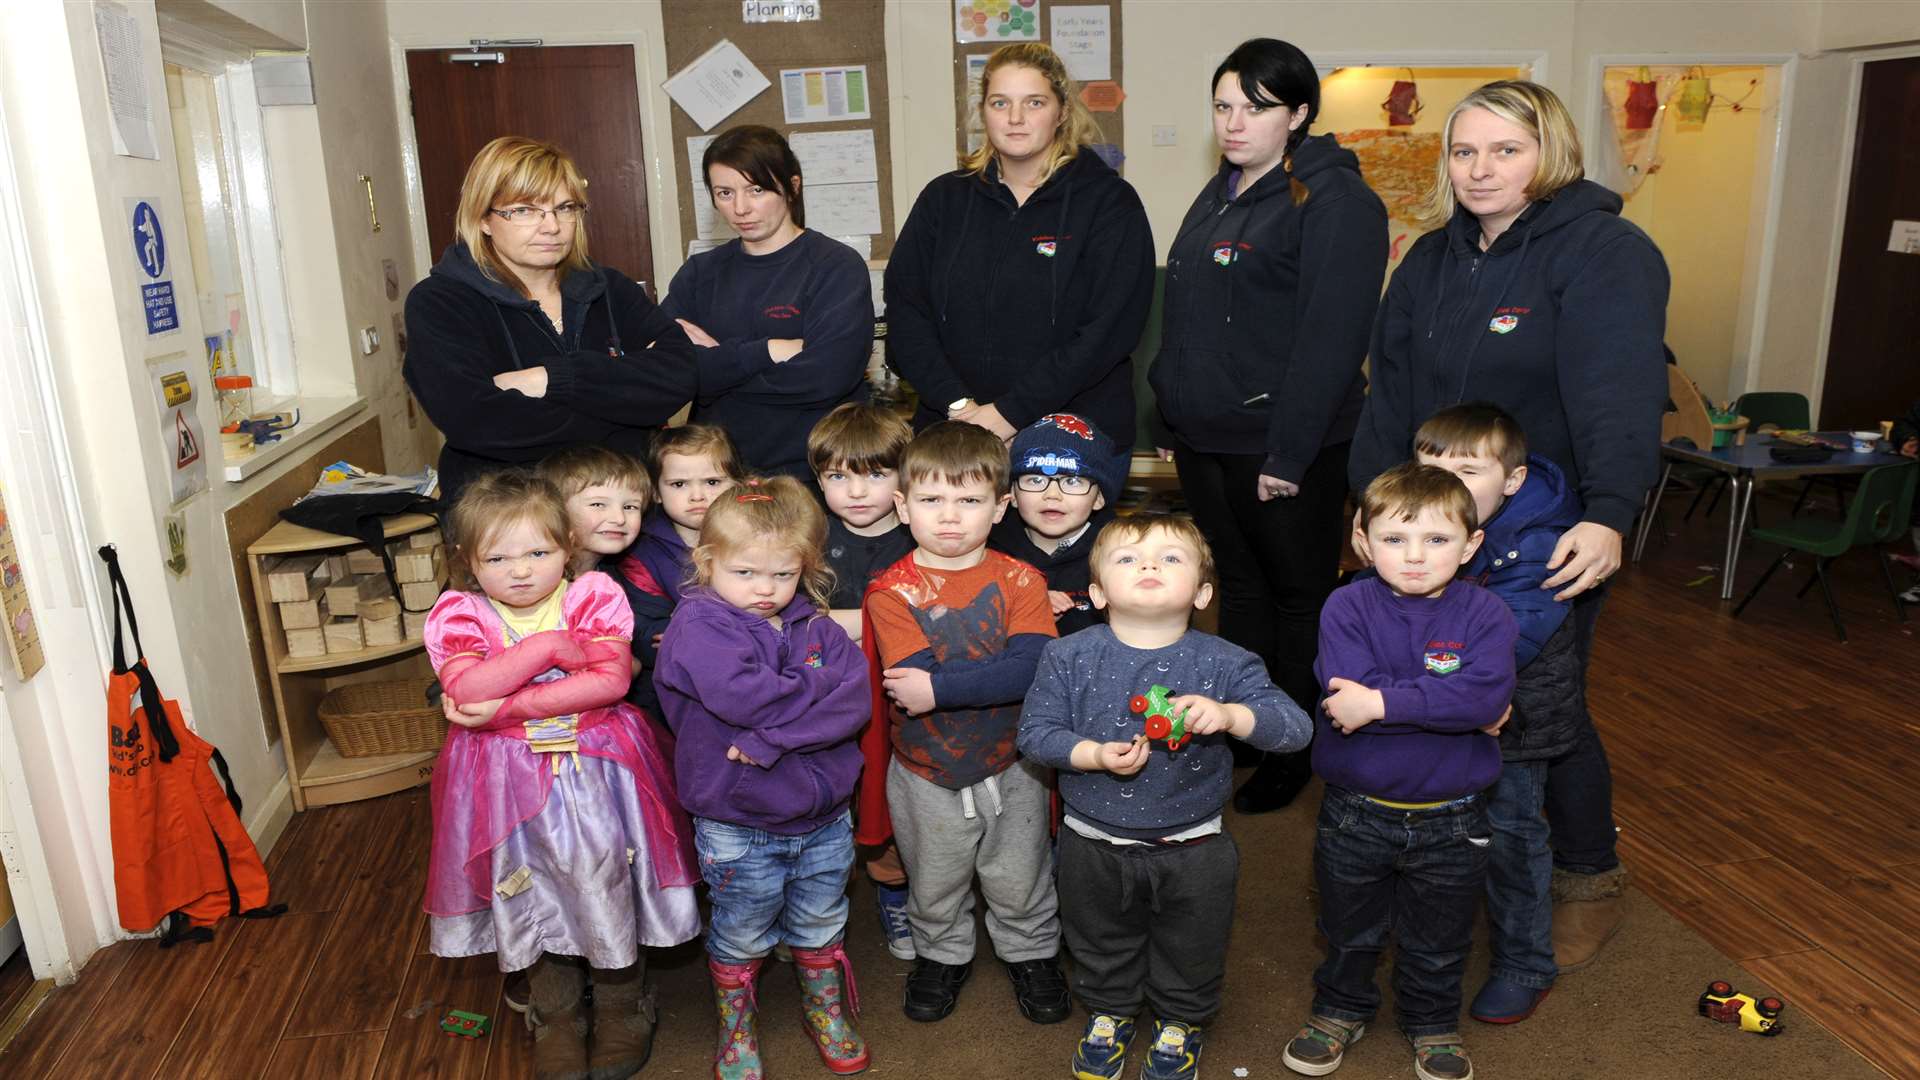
{"type": "Point", "coordinates": [1102, 1052]}
{"type": "Point", "coordinates": [1317, 1050]}
{"type": "Point", "coordinates": [1441, 1057]}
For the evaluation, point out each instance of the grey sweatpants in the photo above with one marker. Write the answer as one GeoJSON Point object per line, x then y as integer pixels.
{"type": "Point", "coordinates": [1005, 843]}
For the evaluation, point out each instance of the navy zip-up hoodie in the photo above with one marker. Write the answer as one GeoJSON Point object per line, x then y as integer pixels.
{"type": "Point", "coordinates": [1560, 323]}
{"type": "Point", "coordinates": [620, 370]}
{"type": "Point", "coordinates": [1069, 571]}
{"type": "Point", "coordinates": [1268, 308]}
{"type": "Point", "coordinates": [1512, 559]}
{"type": "Point", "coordinates": [814, 288]}
{"type": "Point", "coordinates": [1033, 309]}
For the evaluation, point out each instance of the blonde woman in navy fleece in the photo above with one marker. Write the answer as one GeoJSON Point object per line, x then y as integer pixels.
{"type": "Point", "coordinates": [1021, 281]}
{"type": "Point", "coordinates": [1534, 294]}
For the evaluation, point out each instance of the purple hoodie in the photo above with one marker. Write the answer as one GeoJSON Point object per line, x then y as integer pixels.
{"type": "Point", "coordinates": [666, 556]}
{"type": "Point", "coordinates": [793, 699]}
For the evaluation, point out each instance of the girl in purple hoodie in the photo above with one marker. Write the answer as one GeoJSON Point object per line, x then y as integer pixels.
{"type": "Point", "coordinates": [767, 697]}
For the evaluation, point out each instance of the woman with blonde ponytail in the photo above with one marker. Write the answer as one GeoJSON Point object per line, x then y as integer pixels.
{"type": "Point", "coordinates": [1021, 281]}
{"type": "Point", "coordinates": [1271, 287]}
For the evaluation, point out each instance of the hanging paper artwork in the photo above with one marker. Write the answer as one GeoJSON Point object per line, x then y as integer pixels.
{"type": "Point", "coordinates": [1399, 166]}
{"type": "Point", "coordinates": [1403, 102]}
{"type": "Point", "coordinates": [1693, 99]}
{"type": "Point", "coordinates": [1643, 101]}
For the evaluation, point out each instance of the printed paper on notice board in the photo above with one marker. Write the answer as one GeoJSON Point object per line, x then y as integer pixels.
{"type": "Point", "coordinates": [825, 94]}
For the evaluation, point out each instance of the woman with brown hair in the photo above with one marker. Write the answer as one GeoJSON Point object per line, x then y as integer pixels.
{"type": "Point", "coordinates": [1020, 283]}
{"type": "Point", "coordinates": [780, 291]}
{"type": "Point", "coordinates": [520, 345]}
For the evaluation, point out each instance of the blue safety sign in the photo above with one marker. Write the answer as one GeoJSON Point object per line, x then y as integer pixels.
{"type": "Point", "coordinates": [150, 248]}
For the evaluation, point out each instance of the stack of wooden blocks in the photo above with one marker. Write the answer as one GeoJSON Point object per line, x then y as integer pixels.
{"type": "Point", "coordinates": [342, 602]}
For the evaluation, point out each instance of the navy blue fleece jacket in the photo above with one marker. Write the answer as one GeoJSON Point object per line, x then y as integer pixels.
{"type": "Point", "coordinates": [1032, 308]}
{"type": "Point", "coordinates": [1268, 307]}
{"type": "Point", "coordinates": [817, 289]}
{"type": "Point", "coordinates": [618, 371]}
{"type": "Point", "coordinates": [1559, 322]}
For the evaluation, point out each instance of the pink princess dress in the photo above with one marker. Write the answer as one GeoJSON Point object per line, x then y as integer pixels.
{"type": "Point", "coordinates": [556, 827]}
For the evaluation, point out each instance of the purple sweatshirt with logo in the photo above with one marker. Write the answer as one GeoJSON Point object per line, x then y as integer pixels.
{"type": "Point", "coordinates": [793, 699]}
{"type": "Point", "coordinates": [1445, 668]}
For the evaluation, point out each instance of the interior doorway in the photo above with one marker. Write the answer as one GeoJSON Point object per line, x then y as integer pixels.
{"type": "Point", "coordinates": [1691, 150]}
{"type": "Point", "coordinates": [1871, 373]}
{"type": "Point", "coordinates": [583, 98]}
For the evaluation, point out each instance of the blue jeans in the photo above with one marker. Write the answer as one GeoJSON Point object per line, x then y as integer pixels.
{"type": "Point", "coordinates": [1519, 872]}
{"type": "Point", "coordinates": [1580, 782]}
{"type": "Point", "coordinates": [769, 888]}
{"type": "Point", "coordinates": [1415, 873]}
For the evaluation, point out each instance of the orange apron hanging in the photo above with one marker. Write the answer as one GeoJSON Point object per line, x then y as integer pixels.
{"type": "Point", "coordinates": [180, 854]}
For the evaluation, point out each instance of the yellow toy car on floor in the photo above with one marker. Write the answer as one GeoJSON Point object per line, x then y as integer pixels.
{"type": "Point", "coordinates": [1723, 1003]}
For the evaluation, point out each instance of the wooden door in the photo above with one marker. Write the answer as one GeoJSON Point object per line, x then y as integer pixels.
{"type": "Point", "coordinates": [1873, 365]}
{"type": "Point", "coordinates": [582, 98]}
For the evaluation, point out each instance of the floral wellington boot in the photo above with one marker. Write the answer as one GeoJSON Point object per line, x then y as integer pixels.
{"type": "Point", "coordinates": [832, 1003]}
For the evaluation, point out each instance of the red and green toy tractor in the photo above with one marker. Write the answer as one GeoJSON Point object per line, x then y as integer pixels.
{"type": "Point", "coordinates": [1162, 721]}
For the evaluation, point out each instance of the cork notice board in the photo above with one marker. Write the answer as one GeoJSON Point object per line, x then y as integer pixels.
{"type": "Point", "coordinates": [966, 97]}
{"type": "Point", "coordinates": [848, 33]}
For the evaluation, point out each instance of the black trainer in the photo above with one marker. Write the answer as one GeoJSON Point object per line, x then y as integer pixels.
{"type": "Point", "coordinates": [1040, 987]}
{"type": "Point", "coordinates": [933, 989]}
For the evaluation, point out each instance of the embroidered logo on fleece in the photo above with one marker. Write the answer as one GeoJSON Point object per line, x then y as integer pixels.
{"type": "Point", "coordinates": [1506, 318]}
{"type": "Point", "coordinates": [1443, 661]}
{"type": "Point", "coordinates": [813, 657]}
{"type": "Point", "coordinates": [1047, 248]}
{"type": "Point", "coordinates": [1223, 254]}
{"type": "Point", "coordinates": [782, 311]}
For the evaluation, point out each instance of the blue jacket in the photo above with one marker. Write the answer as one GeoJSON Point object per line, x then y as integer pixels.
{"type": "Point", "coordinates": [1512, 561]}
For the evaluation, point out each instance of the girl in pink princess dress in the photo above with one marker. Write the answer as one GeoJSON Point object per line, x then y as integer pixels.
{"type": "Point", "coordinates": [559, 843]}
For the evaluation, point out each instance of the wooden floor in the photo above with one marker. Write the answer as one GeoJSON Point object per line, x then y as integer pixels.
{"type": "Point", "coordinates": [1764, 789]}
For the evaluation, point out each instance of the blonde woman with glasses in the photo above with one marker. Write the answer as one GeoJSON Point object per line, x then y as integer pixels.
{"type": "Point", "coordinates": [520, 345]}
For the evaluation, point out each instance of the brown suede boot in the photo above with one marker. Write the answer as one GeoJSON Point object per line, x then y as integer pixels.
{"type": "Point", "coordinates": [623, 1021]}
{"type": "Point", "coordinates": [1586, 913]}
{"type": "Point", "coordinates": [556, 1013]}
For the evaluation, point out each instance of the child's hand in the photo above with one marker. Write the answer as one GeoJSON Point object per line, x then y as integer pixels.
{"type": "Point", "coordinates": [656, 643]}
{"type": "Point", "coordinates": [471, 716]}
{"type": "Point", "coordinates": [1060, 602]}
{"type": "Point", "coordinates": [1352, 706]}
{"type": "Point", "coordinates": [734, 754]}
{"type": "Point", "coordinates": [1910, 448]}
{"type": "Point", "coordinates": [910, 688]}
{"type": "Point", "coordinates": [1494, 728]}
{"type": "Point", "coordinates": [1206, 716]}
{"type": "Point", "coordinates": [1123, 758]}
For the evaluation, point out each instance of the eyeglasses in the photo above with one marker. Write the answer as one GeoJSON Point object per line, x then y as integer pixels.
{"type": "Point", "coordinates": [1070, 485]}
{"type": "Point", "coordinates": [565, 213]}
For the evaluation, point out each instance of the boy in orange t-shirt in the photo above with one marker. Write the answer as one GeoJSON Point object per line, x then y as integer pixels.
{"type": "Point", "coordinates": [959, 630]}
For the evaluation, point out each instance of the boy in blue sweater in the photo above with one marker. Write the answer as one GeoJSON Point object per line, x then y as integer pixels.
{"type": "Point", "coordinates": [1418, 670]}
{"type": "Point", "coordinates": [1152, 870]}
{"type": "Point", "coordinates": [1524, 505]}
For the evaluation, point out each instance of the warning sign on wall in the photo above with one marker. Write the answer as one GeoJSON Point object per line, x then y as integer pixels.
{"type": "Point", "coordinates": [150, 252]}
{"type": "Point", "coordinates": [183, 448]}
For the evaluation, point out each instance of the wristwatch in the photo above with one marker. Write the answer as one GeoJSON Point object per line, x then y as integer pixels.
{"type": "Point", "coordinates": [961, 405]}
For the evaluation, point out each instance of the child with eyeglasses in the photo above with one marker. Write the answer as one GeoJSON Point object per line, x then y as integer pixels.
{"type": "Point", "coordinates": [1066, 476]}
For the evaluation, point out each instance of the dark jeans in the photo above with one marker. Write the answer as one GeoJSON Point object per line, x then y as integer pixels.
{"type": "Point", "coordinates": [1277, 560]}
{"type": "Point", "coordinates": [1416, 874]}
{"type": "Point", "coordinates": [1519, 874]}
{"type": "Point", "coordinates": [1148, 924]}
{"type": "Point", "coordinates": [1580, 782]}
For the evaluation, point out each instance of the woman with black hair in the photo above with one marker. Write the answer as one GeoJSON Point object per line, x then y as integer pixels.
{"type": "Point", "coordinates": [779, 291]}
{"type": "Point", "coordinates": [1272, 282]}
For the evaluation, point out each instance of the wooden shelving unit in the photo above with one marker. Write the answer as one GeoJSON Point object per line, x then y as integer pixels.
{"type": "Point", "coordinates": [316, 772]}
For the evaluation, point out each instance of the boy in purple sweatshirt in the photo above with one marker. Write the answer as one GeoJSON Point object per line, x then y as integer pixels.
{"type": "Point", "coordinates": [1418, 670]}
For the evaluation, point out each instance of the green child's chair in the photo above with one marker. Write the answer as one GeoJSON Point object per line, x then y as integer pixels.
{"type": "Point", "coordinates": [1879, 512]}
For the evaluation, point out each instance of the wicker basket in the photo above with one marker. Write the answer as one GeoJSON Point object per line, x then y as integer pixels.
{"type": "Point", "coordinates": [392, 717]}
